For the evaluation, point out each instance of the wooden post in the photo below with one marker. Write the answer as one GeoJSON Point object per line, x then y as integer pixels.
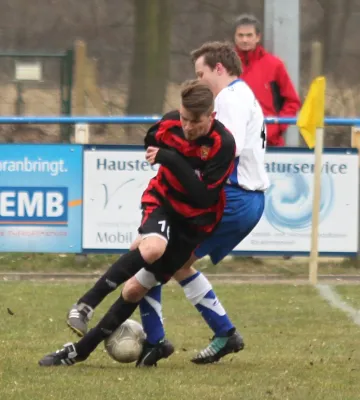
{"type": "Point", "coordinates": [81, 130]}
{"type": "Point", "coordinates": [93, 92]}
{"type": "Point", "coordinates": [79, 84]}
{"type": "Point", "coordinates": [316, 66]}
{"type": "Point", "coordinates": [313, 266]}
{"type": "Point", "coordinates": [355, 138]}
{"type": "Point", "coordinates": [316, 70]}
{"type": "Point", "coordinates": [91, 88]}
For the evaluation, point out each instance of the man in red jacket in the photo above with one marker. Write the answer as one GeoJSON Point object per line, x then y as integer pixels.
{"type": "Point", "coordinates": [267, 77]}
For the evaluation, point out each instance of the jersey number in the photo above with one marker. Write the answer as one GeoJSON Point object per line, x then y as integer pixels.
{"type": "Point", "coordinates": [163, 228]}
{"type": "Point", "coordinates": [263, 135]}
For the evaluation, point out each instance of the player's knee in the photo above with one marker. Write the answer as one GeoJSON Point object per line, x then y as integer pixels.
{"type": "Point", "coordinates": [133, 291]}
{"type": "Point", "coordinates": [152, 248]}
{"type": "Point", "coordinates": [135, 244]}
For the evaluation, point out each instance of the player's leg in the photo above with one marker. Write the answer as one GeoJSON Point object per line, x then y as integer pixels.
{"type": "Point", "coordinates": [125, 267]}
{"type": "Point", "coordinates": [151, 315]}
{"type": "Point", "coordinates": [155, 230]}
{"type": "Point", "coordinates": [151, 310]}
{"type": "Point", "coordinates": [156, 346]}
{"type": "Point", "coordinates": [118, 313]}
{"type": "Point", "coordinates": [178, 251]}
{"type": "Point", "coordinates": [200, 293]}
{"type": "Point", "coordinates": [241, 217]}
{"type": "Point", "coordinates": [133, 292]}
{"type": "Point", "coordinates": [244, 214]}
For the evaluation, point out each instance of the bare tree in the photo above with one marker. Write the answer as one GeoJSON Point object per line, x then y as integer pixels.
{"type": "Point", "coordinates": [335, 17]}
{"type": "Point", "coordinates": [151, 57]}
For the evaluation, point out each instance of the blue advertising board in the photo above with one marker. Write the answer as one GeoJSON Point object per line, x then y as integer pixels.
{"type": "Point", "coordinates": [41, 198]}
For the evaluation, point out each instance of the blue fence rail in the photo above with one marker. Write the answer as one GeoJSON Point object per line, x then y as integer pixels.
{"type": "Point", "coordinates": [146, 119]}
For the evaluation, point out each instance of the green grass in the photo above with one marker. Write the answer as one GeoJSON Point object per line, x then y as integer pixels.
{"type": "Point", "coordinates": [297, 348]}
{"type": "Point", "coordinates": [37, 262]}
{"type": "Point", "coordinates": [350, 294]}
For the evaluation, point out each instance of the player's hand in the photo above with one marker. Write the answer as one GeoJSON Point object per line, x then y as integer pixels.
{"type": "Point", "coordinates": [151, 153]}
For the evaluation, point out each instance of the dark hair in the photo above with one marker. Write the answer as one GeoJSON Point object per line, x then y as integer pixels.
{"type": "Point", "coordinates": [197, 98]}
{"type": "Point", "coordinates": [248, 19]}
{"type": "Point", "coordinates": [219, 52]}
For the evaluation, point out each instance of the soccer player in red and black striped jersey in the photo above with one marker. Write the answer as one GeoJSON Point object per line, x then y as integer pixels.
{"type": "Point", "coordinates": [182, 205]}
{"type": "Point", "coordinates": [218, 65]}
{"type": "Point", "coordinates": [194, 167]}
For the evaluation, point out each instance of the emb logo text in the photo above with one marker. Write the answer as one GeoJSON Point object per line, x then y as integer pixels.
{"type": "Point", "coordinates": [34, 206]}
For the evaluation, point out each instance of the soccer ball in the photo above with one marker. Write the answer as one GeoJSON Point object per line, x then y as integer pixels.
{"type": "Point", "coordinates": [125, 344]}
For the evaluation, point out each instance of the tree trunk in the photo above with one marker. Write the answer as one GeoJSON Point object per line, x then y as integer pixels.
{"type": "Point", "coordinates": [335, 17]}
{"type": "Point", "coordinates": [151, 57]}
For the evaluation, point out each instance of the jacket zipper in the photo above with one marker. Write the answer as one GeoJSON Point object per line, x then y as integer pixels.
{"type": "Point", "coordinates": [246, 59]}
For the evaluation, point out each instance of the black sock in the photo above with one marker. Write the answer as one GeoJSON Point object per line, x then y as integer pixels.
{"type": "Point", "coordinates": [123, 269]}
{"type": "Point", "coordinates": [118, 313]}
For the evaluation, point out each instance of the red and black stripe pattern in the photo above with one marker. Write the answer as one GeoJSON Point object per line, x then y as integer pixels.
{"type": "Point", "coordinates": [211, 157]}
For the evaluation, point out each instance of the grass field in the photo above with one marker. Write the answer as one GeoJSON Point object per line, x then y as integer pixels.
{"type": "Point", "coordinates": [298, 347]}
{"type": "Point", "coordinates": [350, 294]}
{"type": "Point", "coordinates": [292, 268]}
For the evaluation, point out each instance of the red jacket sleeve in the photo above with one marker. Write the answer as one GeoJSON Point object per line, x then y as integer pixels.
{"type": "Point", "coordinates": [292, 102]}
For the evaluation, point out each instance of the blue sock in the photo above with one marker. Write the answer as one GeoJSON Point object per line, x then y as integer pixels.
{"type": "Point", "coordinates": [151, 315]}
{"type": "Point", "coordinates": [199, 291]}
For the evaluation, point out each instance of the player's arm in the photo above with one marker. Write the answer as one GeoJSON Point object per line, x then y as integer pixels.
{"type": "Point", "coordinates": [155, 135]}
{"type": "Point", "coordinates": [150, 137]}
{"type": "Point", "coordinates": [235, 118]}
{"type": "Point", "coordinates": [204, 191]}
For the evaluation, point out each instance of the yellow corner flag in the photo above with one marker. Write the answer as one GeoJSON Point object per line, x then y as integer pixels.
{"type": "Point", "coordinates": [311, 115]}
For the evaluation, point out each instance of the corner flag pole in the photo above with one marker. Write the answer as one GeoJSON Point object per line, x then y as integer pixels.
{"type": "Point", "coordinates": [311, 125]}
{"type": "Point", "coordinates": [316, 70]}
{"type": "Point", "coordinates": [313, 265]}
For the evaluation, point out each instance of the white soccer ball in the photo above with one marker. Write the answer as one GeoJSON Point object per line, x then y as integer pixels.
{"type": "Point", "coordinates": [125, 344]}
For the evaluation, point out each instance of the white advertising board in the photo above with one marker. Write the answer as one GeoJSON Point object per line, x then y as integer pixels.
{"type": "Point", "coordinates": [286, 224]}
{"type": "Point", "coordinates": [114, 180]}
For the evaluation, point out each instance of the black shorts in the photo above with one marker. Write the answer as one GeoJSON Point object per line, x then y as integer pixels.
{"type": "Point", "coordinates": [181, 240]}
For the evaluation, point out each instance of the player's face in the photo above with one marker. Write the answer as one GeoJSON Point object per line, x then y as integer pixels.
{"type": "Point", "coordinates": [246, 38]}
{"type": "Point", "coordinates": [207, 75]}
{"type": "Point", "coordinates": [195, 127]}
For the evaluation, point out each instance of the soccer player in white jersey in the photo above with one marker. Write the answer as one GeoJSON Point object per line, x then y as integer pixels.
{"type": "Point", "coordinates": [217, 64]}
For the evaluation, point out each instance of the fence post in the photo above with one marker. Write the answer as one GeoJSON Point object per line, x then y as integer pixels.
{"type": "Point", "coordinates": [79, 84]}
{"type": "Point", "coordinates": [81, 130]}
{"type": "Point", "coordinates": [93, 91]}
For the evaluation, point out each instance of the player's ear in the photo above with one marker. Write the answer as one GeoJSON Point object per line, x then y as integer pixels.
{"type": "Point", "coordinates": [219, 68]}
{"type": "Point", "coordinates": [213, 115]}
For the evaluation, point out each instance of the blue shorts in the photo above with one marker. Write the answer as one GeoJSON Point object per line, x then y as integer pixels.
{"type": "Point", "coordinates": [242, 212]}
